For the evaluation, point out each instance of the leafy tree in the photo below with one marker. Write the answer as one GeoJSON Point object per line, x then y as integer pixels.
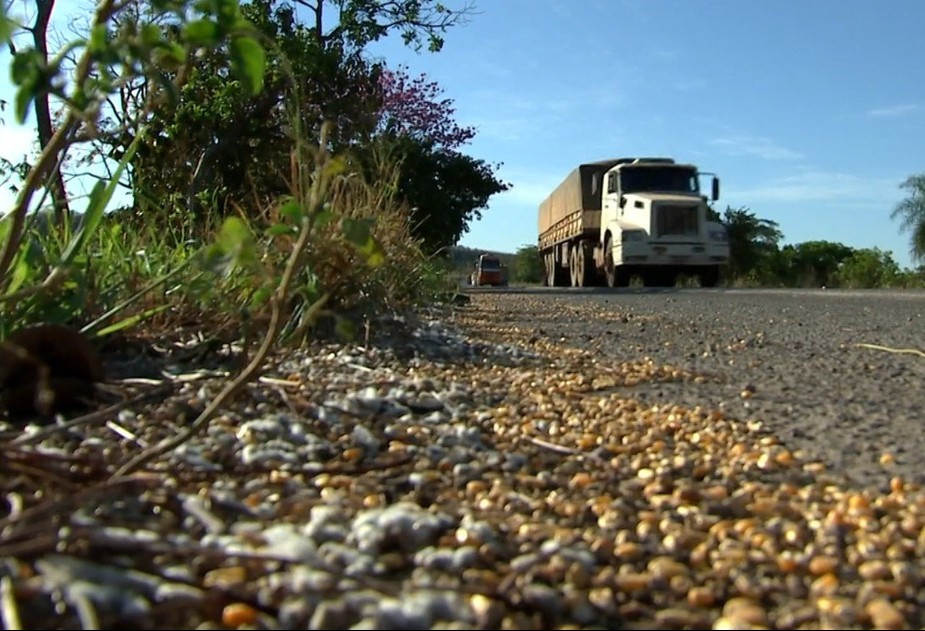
{"type": "Point", "coordinates": [362, 22]}
{"type": "Point", "coordinates": [214, 146]}
{"type": "Point", "coordinates": [415, 107]}
{"type": "Point", "coordinates": [528, 266]}
{"type": "Point", "coordinates": [444, 189]}
{"type": "Point", "coordinates": [911, 214]}
{"type": "Point", "coordinates": [814, 263]}
{"type": "Point", "coordinates": [752, 241]}
{"type": "Point", "coordinates": [868, 267]}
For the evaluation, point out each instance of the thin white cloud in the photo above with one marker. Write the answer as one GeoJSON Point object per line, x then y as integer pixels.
{"type": "Point", "coordinates": [893, 111]}
{"type": "Point", "coordinates": [763, 148]}
{"type": "Point", "coordinates": [665, 54]}
{"type": "Point", "coordinates": [528, 190]}
{"type": "Point", "coordinates": [504, 128]}
{"type": "Point", "coordinates": [822, 186]}
{"type": "Point", "coordinates": [517, 117]}
{"type": "Point", "coordinates": [686, 85]}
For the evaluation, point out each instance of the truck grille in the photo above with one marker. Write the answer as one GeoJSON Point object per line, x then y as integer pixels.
{"type": "Point", "coordinates": [676, 221]}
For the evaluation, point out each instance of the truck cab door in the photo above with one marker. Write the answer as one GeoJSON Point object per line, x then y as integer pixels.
{"type": "Point", "coordinates": [611, 207]}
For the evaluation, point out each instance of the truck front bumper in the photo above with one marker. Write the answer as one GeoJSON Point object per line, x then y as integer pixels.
{"type": "Point", "coordinates": [671, 254]}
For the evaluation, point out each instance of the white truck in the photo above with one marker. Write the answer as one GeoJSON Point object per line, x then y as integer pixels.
{"type": "Point", "coordinates": [614, 219]}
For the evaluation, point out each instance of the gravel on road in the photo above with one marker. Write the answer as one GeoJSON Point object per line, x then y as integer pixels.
{"type": "Point", "coordinates": [797, 361]}
{"type": "Point", "coordinates": [526, 461]}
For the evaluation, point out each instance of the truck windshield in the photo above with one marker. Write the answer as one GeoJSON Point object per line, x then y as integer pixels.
{"type": "Point", "coordinates": [660, 179]}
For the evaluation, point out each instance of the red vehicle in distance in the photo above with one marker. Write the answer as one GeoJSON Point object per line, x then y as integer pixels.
{"type": "Point", "coordinates": [488, 272]}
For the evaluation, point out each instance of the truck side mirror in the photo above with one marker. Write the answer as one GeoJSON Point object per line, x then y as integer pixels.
{"type": "Point", "coordinates": [715, 191]}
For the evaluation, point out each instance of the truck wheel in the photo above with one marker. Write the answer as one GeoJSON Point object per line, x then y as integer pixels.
{"type": "Point", "coordinates": [590, 275]}
{"type": "Point", "coordinates": [584, 268]}
{"type": "Point", "coordinates": [610, 271]}
{"type": "Point", "coordinates": [555, 274]}
{"type": "Point", "coordinates": [577, 267]}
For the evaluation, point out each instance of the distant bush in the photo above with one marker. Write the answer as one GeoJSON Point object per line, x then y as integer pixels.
{"type": "Point", "coordinates": [868, 268]}
{"type": "Point", "coordinates": [528, 266]}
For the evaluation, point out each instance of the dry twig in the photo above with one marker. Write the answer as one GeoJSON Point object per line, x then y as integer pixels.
{"type": "Point", "coordinates": [277, 301]}
{"type": "Point", "coordinates": [899, 351]}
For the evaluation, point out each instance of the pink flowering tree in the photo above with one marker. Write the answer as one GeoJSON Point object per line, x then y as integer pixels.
{"type": "Point", "coordinates": [446, 188]}
{"type": "Point", "coordinates": [415, 107]}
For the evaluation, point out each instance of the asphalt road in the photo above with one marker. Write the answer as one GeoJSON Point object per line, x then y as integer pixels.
{"type": "Point", "coordinates": [800, 354]}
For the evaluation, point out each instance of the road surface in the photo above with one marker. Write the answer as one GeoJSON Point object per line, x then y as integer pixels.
{"type": "Point", "coordinates": [799, 355]}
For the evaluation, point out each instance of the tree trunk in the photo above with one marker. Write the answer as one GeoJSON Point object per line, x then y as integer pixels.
{"type": "Point", "coordinates": [43, 113]}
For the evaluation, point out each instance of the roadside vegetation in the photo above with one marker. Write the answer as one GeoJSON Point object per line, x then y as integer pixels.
{"type": "Point", "coordinates": [226, 145]}
{"type": "Point", "coordinates": [759, 260]}
{"type": "Point", "coordinates": [224, 142]}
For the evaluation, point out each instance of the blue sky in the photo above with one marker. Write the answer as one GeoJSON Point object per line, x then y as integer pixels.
{"type": "Point", "coordinates": [812, 113]}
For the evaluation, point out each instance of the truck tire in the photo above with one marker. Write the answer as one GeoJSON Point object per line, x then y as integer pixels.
{"type": "Point", "coordinates": [583, 272]}
{"type": "Point", "coordinates": [576, 267]}
{"type": "Point", "coordinates": [592, 276]}
{"type": "Point", "coordinates": [555, 275]}
{"type": "Point", "coordinates": [551, 269]}
{"type": "Point", "coordinates": [614, 276]}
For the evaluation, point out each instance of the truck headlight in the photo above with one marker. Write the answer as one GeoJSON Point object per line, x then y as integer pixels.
{"type": "Point", "coordinates": [631, 236]}
{"type": "Point", "coordinates": [719, 234]}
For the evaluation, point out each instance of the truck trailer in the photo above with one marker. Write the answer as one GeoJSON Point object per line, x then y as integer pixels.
{"type": "Point", "coordinates": [611, 220]}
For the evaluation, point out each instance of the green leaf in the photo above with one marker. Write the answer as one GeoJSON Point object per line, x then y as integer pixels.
{"type": "Point", "coordinates": [375, 255]}
{"type": "Point", "coordinates": [25, 66]}
{"type": "Point", "coordinates": [280, 229]}
{"type": "Point", "coordinates": [261, 296]}
{"type": "Point", "coordinates": [151, 35]}
{"type": "Point", "coordinates": [323, 218]}
{"type": "Point", "coordinates": [6, 24]}
{"type": "Point", "coordinates": [201, 32]}
{"type": "Point", "coordinates": [293, 211]}
{"type": "Point", "coordinates": [248, 60]}
{"type": "Point", "coordinates": [214, 258]}
{"type": "Point", "coordinates": [234, 234]}
{"type": "Point", "coordinates": [335, 166]}
{"type": "Point", "coordinates": [20, 273]}
{"type": "Point", "coordinates": [169, 56]}
{"type": "Point", "coordinates": [359, 233]}
{"type": "Point", "coordinates": [236, 241]}
{"type": "Point", "coordinates": [131, 321]}
{"type": "Point", "coordinates": [24, 97]}
{"type": "Point", "coordinates": [26, 72]}
{"type": "Point", "coordinates": [100, 197]}
{"type": "Point", "coordinates": [99, 40]}
{"type": "Point", "coordinates": [345, 329]}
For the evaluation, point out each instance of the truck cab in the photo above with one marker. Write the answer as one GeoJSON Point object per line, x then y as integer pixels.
{"type": "Point", "coordinates": [655, 223]}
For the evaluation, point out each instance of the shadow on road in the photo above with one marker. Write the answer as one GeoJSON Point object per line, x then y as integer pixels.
{"type": "Point", "coordinates": [572, 291]}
